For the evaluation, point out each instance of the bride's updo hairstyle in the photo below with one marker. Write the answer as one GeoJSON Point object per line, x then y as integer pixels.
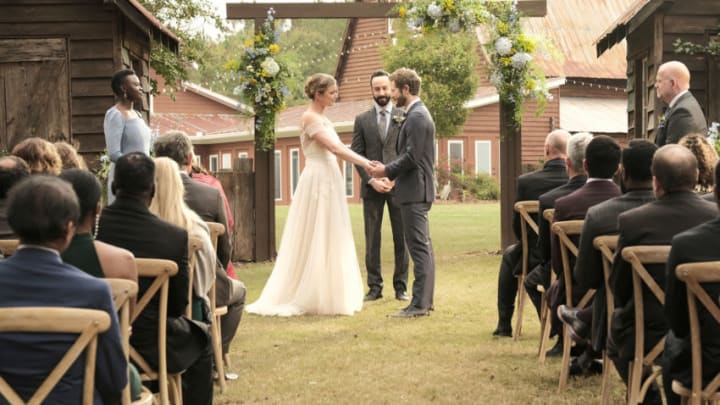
{"type": "Point", "coordinates": [317, 84]}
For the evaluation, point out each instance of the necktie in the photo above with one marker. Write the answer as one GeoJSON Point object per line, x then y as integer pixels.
{"type": "Point", "coordinates": [382, 124]}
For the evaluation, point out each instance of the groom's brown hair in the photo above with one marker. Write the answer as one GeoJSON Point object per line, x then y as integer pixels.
{"type": "Point", "coordinates": [409, 77]}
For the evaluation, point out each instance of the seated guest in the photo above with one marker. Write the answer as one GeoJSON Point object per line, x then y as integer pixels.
{"type": "Point", "coordinates": [12, 170]}
{"type": "Point", "coordinates": [208, 204]}
{"type": "Point", "coordinates": [40, 155]}
{"type": "Point", "coordinates": [43, 211]}
{"type": "Point", "coordinates": [529, 187]}
{"type": "Point", "coordinates": [698, 244]}
{"type": "Point", "coordinates": [168, 205]}
{"type": "Point", "coordinates": [707, 158]}
{"type": "Point", "coordinates": [676, 209]}
{"type": "Point", "coordinates": [69, 156]}
{"type": "Point", "coordinates": [128, 223]}
{"type": "Point", "coordinates": [540, 275]}
{"type": "Point", "coordinates": [601, 219]}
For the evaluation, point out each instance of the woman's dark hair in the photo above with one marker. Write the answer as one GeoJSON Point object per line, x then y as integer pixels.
{"type": "Point", "coordinates": [118, 80]}
{"type": "Point", "coordinates": [86, 186]}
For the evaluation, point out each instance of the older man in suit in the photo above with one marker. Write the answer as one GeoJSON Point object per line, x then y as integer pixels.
{"type": "Point", "coordinates": [415, 187]}
{"type": "Point", "coordinates": [43, 212]}
{"type": "Point", "coordinates": [375, 136]}
{"type": "Point", "coordinates": [676, 209]}
{"type": "Point", "coordinates": [698, 244]}
{"type": "Point", "coordinates": [601, 219]}
{"type": "Point", "coordinates": [529, 187]}
{"type": "Point", "coordinates": [129, 224]}
{"type": "Point", "coordinates": [684, 114]}
{"type": "Point", "coordinates": [207, 202]}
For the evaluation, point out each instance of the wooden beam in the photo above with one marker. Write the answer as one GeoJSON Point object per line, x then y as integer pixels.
{"type": "Point", "coordinates": [248, 11]}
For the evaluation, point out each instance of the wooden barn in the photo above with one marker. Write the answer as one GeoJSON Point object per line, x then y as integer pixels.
{"type": "Point", "coordinates": [56, 61]}
{"type": "Point", "coordinates": [651, 27]}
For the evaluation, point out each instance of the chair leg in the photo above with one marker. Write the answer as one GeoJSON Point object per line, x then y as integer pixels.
{"type": "Point", "coordinates": [217, 352]}
{"type": "Point", "coordinates": [175, 382]}
{"type": "Point", "coordinates": [544, 329]}
{"type": "Point", "coordinates": [634, 378]}
{"type": "Point", "coordinates": [520, 307]}
{"type": "Point", "coordinates": [605, 387]}
{"type": "Point", "coordinates": [565, 364]}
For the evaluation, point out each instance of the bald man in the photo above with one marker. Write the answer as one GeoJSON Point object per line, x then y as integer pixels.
{"type": "Point", "coordinates": [683, 115]}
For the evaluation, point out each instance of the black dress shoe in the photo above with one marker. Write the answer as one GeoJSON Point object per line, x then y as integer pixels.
{"type": "Point", "coordinates": [556, 350]}
{"type": "Point", "coordinates": [373, 295]}
{"type": "Point", "coordinates": [401, 296]}
{"type": "Point", "coordinates": [411, 312]}
{"type": "Point", "coordinates": [503, 331]}
{"type": "Point", "coordinates": [579, 330]}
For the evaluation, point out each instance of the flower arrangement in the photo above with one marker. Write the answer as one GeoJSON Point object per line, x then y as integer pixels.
{"type": "Point", "coordinates": [452, 15]}
{"type": "Point", "coordinates": [262, 80]}
{"type": "Point", "coordinates": [513, 72]}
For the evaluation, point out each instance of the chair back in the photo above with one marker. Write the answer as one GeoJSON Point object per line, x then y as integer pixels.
{"type": "Point", "coordinates": [194, 245]}
{"type": "Point", "coordinates": [87, 323]}
{"type": "Point", "coordinates": [124, 293]}
{"type": "Point", "coordinates": [525, 209]}
{"type": "Point", "coordinates": [693, 275]}
{"type": "Point", "coordinates": [638, 257]}
{"type": "Point", "coordinates": [606, 245]}
{"type": "Point", "coordinates": [160, 271]}
{"type": "Point", "coordinates": [216, 229]}
{"type": "Point", "coordinates": [8, 246]}
{"type": "Point", "coordinates": [549, 214]}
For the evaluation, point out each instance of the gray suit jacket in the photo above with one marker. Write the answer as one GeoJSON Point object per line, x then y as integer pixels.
{"type": "Point", "coordinates": [413, 167]}
{"type": "Point", "coordinates": [367, 142]}
{"type": "Point", "coordinates": [207, 202]}
{"type": "Point", "coordinates": [685, 117]}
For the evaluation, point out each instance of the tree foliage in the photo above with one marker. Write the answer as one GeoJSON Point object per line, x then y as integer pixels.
{"type": "Point", "coordinates": [446, 64]}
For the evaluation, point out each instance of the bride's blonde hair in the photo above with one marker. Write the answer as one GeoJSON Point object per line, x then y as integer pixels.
{"type": "Point", "coordinates": [169, 202]}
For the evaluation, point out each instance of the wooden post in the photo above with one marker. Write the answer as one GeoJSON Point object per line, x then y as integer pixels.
{"type": "Point", "coordinates": [510, 169]}
{"type": "Point", "coordinates": [240, 191]}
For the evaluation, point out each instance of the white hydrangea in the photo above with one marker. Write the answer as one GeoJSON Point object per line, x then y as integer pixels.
{"type": "Point", "coordinates": [270, 67]}
{"type": "Point", "coordinates": [520, 59]}
{"type": "Point", "coordinates": [503, 46]}
{"type": "Point", "coordinates": [496, 79]}
{"type": "Point", "coordinates": [434, 11]}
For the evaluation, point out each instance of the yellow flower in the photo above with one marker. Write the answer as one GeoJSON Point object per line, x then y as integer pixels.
{"type": "Point", "coordinates": [449, 5]}
{"type": "Point", "coordinates": [232, 64]}
{"type": "Point", "coordinates": [402, 11]}
{"type": "Point", "coordinates": [505, 61]}
{"type": "Point", "coordinates": [248, 43]}
{"type": "Point", "coordinates": [503, 28]}
{"type": "Point", "coordinates": [274, 48]}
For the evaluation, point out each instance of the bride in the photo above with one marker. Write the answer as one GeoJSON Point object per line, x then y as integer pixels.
{"type": "Point", "coordinates": [317, 271]}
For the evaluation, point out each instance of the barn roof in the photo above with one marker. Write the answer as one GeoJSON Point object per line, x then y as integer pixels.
{"type": "Point", "coordinates": [141, 17]}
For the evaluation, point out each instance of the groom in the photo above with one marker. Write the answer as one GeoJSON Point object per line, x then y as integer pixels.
{"type": "Point", "coordinates": [414, 188]}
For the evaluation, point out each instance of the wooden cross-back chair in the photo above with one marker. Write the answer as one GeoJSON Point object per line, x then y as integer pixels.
{"type": "Point", "coordinates": [606, 244]}
{"type": "Point", "coordinates": [638, 257]}
{"type": "Point", "coordinates": [217, 229]}
{"type": "Point", "coordinates": [564, 231]}
{"type": "Point", "coordinates": [8, 246]}
{"type": "Point", "coordinates": [693, 275]}
{"type": "Point", "coordinates": [545, 316]}
{"type": "Point", "coordinates": [86, 323]}
{"type": "Point", "coordinates": [525, 210]}
{"type": "Point", "coordinates": [160, 271]}
{"type": "Point", "coordinates": [194, 245]}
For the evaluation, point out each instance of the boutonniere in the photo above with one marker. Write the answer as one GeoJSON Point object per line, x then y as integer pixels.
{"type": "Point", "coordinates": [398, 118]}
{"type": "Point", "coordinates": [661, 123]}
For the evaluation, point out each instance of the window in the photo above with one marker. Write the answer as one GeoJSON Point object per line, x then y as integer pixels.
{"type": "Point", "coordinates": [226, 161]}
{"type": "Point", "coordinates": [243, 155]}
{"type": "Point", "coordinates": [294, 169]}
{"type": "Point", "coordinates": [214, 163]}
{"type": "Point", "coordinates": [197, 159]}
{"type": "Point", "coordinates": [278, 175]}
{"type": "Point", "coordinates": [483, 157]}
{"type": "Point", "coordinates": [455, 156]}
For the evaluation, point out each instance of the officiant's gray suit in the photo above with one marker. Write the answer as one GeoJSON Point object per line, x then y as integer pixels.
{"type": "Point", "coordinates": [415, 191]}
{"type": "Point", "coordinates": [368, 141]}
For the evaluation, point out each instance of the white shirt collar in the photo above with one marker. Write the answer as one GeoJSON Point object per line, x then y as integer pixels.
{"type": "Point", "coordinates": [388, 108]}
{"type": "Point", "coordinates": [591, 179]}
{"type": "Point", "coordinates": [407, 108]}
{"type": "Point", "coordinates": [675, 99]}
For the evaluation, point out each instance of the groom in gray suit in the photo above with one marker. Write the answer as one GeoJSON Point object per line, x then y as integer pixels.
{"type": "Point", "coordinates": [414, 188]}
{"type": "Point", "coordinates": [375, 136]}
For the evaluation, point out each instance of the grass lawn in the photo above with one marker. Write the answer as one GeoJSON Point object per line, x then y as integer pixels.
{"type": "Point", "coordinates": [448, 357]}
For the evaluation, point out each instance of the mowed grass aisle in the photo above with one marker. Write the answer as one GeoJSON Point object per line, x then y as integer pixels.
{"type": "Point", "coordinates": [449, 357]}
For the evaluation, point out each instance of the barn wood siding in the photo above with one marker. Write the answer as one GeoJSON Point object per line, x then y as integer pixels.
{"type": "Point", "coordinates": [364, 58]}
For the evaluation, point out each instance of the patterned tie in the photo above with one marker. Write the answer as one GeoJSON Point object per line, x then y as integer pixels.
{"type": "Point", "coordinates": [382, 124]}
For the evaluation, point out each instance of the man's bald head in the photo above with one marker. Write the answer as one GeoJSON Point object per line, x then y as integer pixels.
{"type": "Point", "coordinates": [675, 168]}
{"type": "Point", "coordinates": [672, 79]}
{"type": "Point", "coordinates": [556, 144]}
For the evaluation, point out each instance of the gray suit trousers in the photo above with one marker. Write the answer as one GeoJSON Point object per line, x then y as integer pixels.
{"type": "Point", "coordinates": [417, 237]}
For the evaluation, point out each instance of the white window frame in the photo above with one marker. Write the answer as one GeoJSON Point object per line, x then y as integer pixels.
{"type": "Point", "coordinates": [243, 155]}
{"type": "Point", "coordinates": [198, 160]}
{"type": "Point", "coordinates": [462, 154]}
{"type": "Point", "coordinates": [227, 156]}
{"type": "Point", "coordinates": [278, 175]}
{"type": "Point", "coordinates": [478, 169]}
{"type": "Point", "coordinates": [213, 163]}
{"type": "Point", "coordinates": [294, 169]}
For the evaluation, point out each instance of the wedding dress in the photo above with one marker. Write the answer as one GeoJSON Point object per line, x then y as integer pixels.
{"type": "Point", "coordinates": [316, 271]}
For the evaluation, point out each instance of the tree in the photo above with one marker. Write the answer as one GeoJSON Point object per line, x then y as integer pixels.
{"type": "Point", "coordinates": [446, 64]}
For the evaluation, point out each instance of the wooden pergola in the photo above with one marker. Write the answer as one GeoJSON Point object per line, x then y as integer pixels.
{"type": "Point", "coordinates": [510, 145]}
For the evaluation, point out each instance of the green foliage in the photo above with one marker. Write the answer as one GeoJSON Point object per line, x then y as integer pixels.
{"type": "Point", "coordinates": [712, 48]}
{"type": "Point", "coordinates": [463, 184]}
{"type": "Point", "coordinates": [450, 15]}
{"type": "Point", "coordinates": [446, 64]}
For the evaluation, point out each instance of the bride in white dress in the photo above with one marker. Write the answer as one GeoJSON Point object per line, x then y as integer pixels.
{"type": "Point", "coordinates": [317, 271]}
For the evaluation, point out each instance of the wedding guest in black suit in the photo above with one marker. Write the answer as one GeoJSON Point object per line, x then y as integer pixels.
{"type": "Point", "coordinates": [684, 114]}
{"type": "Point", "coordinates": [698, 244]}
{"type": "Point", "coordinates": [601, 219]}
{"type": "Point", "coordinates": [12, 170]}
{"type": "Point", "coordinates": [415, 188]}
{"type": "Point", "coordinates": [375, 136]}
{"type": "Point", "coordinates": [676, 209]}
{"type": "Point", "coordinates": [540, 275]}
{"type": "Point", "coordinates": [129, 224]}
{"type": "Point", "coordinates": [529, 187]}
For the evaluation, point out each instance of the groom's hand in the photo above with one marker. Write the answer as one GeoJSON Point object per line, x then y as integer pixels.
{"type": "Point", "coordinates": [377, 169]}
{"type": "Point", "coordinates": [383, 185]}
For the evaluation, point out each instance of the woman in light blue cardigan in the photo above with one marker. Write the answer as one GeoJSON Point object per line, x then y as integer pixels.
{"type": "Point", "coordinates": [125, 129]}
